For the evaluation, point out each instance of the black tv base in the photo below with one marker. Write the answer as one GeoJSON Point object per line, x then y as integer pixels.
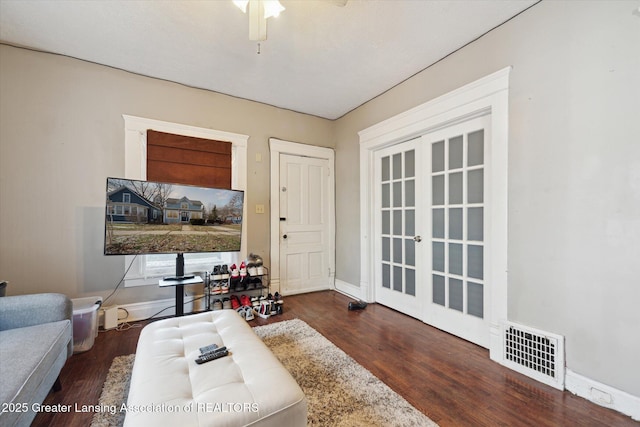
{"type": "Point", "coordinates": [179, 280]}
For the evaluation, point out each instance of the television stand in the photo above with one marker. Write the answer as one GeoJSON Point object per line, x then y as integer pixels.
{"type": "Point", "coordinates": [179, 280]}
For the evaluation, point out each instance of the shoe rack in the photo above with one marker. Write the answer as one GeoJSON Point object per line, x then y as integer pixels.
{"type": "Point", "coordinates": [235, 286]}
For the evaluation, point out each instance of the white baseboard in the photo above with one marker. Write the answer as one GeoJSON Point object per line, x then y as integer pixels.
{"type": "Point", "coordinates": [160, 308]}
{"type": "Point", "coordinates": [348, 289]}
{"type": "Point", "coordinates": [602, 394]}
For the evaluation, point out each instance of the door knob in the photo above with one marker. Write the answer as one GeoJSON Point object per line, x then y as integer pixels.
{"type": "Point", "coordinates": [418, 239]}
{"type": "Point", "coordinates": [284, 236]}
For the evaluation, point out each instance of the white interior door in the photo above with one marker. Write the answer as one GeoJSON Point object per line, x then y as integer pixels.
{"type": "Point", "coordinates": [457, 248]}
{"type": "Point", "coordinates": [397, 247]}
{"type": "Point", "coordinates": [431, 247]}
{"type": "Point", "coordinates": [304, 224]}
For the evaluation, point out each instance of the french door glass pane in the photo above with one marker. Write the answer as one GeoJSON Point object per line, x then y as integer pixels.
{"type": "Point", "coordinates": [386, 222]}
{"type": "Point", "coordinates": [438, 224]}
{"type": "Point", "coordinates": [437, 157]}
{"type": "Point", "coordinates": [475, 299]}
{"type": "Point", "coordinates": [410, 222]}
{"type": "Point", "coordinates": [476, 186]}
{"type": "Point", "coordinates": [409, 252]}
{"type": "Point", "coordinates": [397, 166]}
{"type": "Point", "coordinates": [438, 296]}
{"type": "Point", "coordinates": [455, 152]}
{"type": "Point", "coordinates": [475, 262]}
{"type": "Point", "coordinates": [455, 258]}
{"type": "Point", "coordinates": [475, 149]}
{"type": "Point", "coordinates": [455, 188]}
{"type": "Point", "coordinates": [386, 171]}
{"type": "Point", "coordinates": [475, 230]}
{"type": "Point", "coordinates": [397, 278]}
{"type": "Point", "coordinates": [455, 223]}
{"type": "Point", "coordinates": [437, 190]}
{"type": "Point", "coordinates": [410, 164]}
{"type": "Point", "coordinates": [386, 275]}
{"type": "Point", "coordinates": [410, 282]}
{"type": "Point", "coordinates": [397, 222]}
{"type": "Point", "coordinates": [456, 300]}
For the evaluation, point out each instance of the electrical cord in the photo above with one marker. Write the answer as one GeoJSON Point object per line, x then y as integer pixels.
{"type": "Point", "coordinates": [121, 280]}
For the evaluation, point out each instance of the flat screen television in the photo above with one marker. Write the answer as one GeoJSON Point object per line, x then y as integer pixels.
{"type": "Point", "coordinates": [145, 217]}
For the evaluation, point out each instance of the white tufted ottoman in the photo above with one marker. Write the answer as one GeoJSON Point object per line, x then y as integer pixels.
{"type": "Point", "coordinates": [247, 387]}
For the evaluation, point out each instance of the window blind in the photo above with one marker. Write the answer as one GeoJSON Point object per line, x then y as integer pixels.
{"type": "Point", "coordinates": [188, 160]}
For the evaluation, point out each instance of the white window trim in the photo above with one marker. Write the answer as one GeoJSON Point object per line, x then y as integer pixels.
{"type": "Point", "coordinates": [135, 167]}
{"type": "Point", "coordinates": [488, 93]}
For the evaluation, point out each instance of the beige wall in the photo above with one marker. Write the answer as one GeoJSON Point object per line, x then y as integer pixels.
{"type": "Point", "coordinates": [62, 134]}
{"type": "Point", "coordinates": [574, 180]}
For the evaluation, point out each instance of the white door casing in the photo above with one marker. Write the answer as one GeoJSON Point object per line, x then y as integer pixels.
{"type": "Point", "coordinates": [326, 156]}
{"type": "Point", "coordinates": [488, 95]}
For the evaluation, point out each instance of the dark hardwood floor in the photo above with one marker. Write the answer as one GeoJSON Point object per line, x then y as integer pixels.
{"type": "Point", "coordinates": [450, 380]}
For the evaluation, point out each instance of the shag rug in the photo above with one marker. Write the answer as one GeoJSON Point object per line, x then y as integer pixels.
{"type": "Point", "coordinates": [339, 391]}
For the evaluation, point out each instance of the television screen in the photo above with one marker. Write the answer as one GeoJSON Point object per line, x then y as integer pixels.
{"type": "Point", "coordinates": [144, 217]}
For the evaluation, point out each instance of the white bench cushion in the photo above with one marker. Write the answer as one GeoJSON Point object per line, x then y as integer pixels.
{"type": "Point", "coordinates": [247, 387]}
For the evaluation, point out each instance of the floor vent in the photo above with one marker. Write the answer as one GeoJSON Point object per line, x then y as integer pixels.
{"type": "Point", "coordinates": [536, 354]}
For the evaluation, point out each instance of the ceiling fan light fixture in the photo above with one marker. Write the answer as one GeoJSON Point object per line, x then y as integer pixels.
{"type": "Point", "coordinates": [272, 8]}
{"type": "Point", "coordinates": [242, 5]}
{"type": "Point", "coordinates": [259, 11]}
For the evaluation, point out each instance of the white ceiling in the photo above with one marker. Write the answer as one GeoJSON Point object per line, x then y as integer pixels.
{"type": "Point", "coordinates": [319, 58]}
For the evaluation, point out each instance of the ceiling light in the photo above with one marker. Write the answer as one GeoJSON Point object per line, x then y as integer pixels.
{"type": "Point", "coordinates": [259, 11]}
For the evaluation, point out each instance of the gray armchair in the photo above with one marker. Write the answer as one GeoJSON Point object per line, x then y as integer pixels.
{"type": "Point", "coordinates": [36, 339]}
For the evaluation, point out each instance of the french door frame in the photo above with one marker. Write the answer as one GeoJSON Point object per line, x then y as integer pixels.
{"type": "Point", "coordinates": [488, 95]}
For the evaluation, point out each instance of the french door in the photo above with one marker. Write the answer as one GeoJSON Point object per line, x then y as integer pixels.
{"type": "Point", "coordinates": [397, 193]}
{"type": "Point", "coordinates": [431, 248]}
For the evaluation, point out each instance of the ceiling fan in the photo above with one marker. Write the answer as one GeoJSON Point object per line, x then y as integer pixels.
{"type": "Point", "coordinates": [260, 10]}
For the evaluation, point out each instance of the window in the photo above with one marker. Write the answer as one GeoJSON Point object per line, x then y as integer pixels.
{"type": "Point", "coordinates": [126, 198]}
{"type": "Point", "coordinates": [146, 269]}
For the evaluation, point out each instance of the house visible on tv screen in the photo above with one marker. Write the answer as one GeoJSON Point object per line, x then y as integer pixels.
{"type": "Point", "coordinates": [124, 205]}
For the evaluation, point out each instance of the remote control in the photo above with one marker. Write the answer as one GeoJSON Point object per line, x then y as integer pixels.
{"type": "Point", "coordinates": [208, 348]}
{"type": "Point", "coordinates": [208, 357]}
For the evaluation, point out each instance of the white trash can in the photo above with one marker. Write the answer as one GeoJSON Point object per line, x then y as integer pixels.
{"type": "Point", "coordinates": [85, 322]}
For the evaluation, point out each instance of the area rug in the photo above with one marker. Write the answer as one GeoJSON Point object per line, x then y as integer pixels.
{"type": "Point", "coordinates": [339, 391]}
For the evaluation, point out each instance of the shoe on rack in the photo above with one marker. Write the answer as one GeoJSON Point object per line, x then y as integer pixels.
{"type": "Point", "coordinates": [237, 283]}
{"type": "Point", "coordinates": [255, 301]}
{"type": "Point", "coordinates": [224, 288]}
{"type": "Point", "coordinates": [226, 304]}
{"type": "Point", "coordinates": [234, 271]}
{"type": "Point", "coordinates": [216, 289]}
{"type": "Point", "coordinates": [245, 301]}
{"type": "Point", "coordinates": [235, 302]}
{"type": "Point", "coordinates": [243, 269]}
{"type": "Point", "coordinates": [249, 314]}
{"type": "Point", "coordinates": [224, 271]}
{"type": "Point", "coordinates": [252, 266]}
{"type": "Point", "coordinates": [258, 283]}
{"type": "Point", "coordinates": [216, 274]}
{"type": "Point", "coordinates": [250, 284]}
{"type": "Point", "coordinates": [217, 305]}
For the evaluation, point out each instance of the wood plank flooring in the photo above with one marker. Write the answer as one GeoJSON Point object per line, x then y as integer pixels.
{"type": "Point", "coordinates": [450, 380]}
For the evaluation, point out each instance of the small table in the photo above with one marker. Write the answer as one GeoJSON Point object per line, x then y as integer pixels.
{"type": "Point", "coordinates": [179, 284]}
